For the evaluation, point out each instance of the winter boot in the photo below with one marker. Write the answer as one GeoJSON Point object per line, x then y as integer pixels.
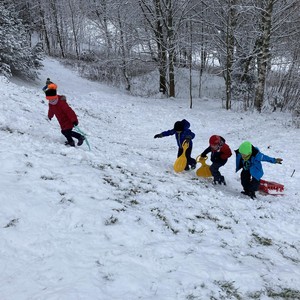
{"type": "Point", "coordinates": [222, 180]}
{"type": "Point", "coordinates": [72, 144]}
{"type": "Point", "coordinates": [245, 192]}
{"type": "Point", "coordinates": [80, 140]}
{"type": "Point", "coordinates": [252, 195]}
{"type": "Point", "coordinates": [249, 193]}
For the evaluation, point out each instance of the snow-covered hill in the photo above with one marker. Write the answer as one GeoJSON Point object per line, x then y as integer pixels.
{"type": "Point", "coordinates": [116, 223]}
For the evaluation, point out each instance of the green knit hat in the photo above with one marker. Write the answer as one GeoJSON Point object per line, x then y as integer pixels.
{"type": "Point", "coordinates": [245, 148]}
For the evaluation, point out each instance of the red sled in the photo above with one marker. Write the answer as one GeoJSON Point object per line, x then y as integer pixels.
{"type": "Point", "coordinates": [271, 188]}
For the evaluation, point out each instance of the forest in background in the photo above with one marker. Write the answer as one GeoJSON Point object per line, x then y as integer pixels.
{"type": "Point", "coordinates": [252, 44]}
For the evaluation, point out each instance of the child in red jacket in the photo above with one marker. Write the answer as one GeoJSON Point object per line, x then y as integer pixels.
{"type": "Point", "coordinates": [66, 118]}
{"type": "Point", "coordinates": [220, 152]}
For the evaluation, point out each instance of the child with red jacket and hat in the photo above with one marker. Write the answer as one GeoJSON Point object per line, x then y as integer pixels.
{"type": "Point", "coordinates": [65, 115]}
{"type": "Point", "coordinates": [220, 152]}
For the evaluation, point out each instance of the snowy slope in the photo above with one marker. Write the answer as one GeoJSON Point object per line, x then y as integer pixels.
{"type": "Point", "coordinates": [117, 223]}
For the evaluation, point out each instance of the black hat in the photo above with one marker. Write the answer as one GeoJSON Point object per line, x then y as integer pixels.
{"type": "Point", "coordinates": [178, 126]}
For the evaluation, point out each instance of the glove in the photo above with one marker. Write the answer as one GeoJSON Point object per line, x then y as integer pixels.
{"type": "Point", "coordinates": [75, 123]}
{"type": "Point", "coordinates": [186, 141]}
{"type": "Point", "coordinates": [158, 136]}
{"type": "Point", "coordinates": [279, 161]}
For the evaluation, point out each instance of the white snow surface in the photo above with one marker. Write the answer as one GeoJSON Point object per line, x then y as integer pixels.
{"type": "Point", "coordinates": [116, 222]}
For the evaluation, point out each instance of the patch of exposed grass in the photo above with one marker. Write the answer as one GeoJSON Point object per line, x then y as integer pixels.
{"type": "Point", "coordinates": [111, 220]}
{"type": "Point", "coordinates": [262, 240]}
{"type": "Point", "coordinates": [229, 289]}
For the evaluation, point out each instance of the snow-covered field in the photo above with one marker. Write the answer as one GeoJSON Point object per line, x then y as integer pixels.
{"type": "Point", "coordinates": [116, 223]}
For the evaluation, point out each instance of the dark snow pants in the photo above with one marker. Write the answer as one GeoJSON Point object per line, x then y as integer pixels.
{"type": "Point", "coordinates": [214, 168]}
{"type": "Point", "coordinates": [249, 183]}
{"type": "Point", "coordinates": [68, 133]}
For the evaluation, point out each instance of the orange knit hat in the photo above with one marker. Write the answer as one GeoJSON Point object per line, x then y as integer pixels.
{"type": "Point", "coordinates": [51, 93]}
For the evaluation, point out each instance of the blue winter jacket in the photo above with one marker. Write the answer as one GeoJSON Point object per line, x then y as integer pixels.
{"type": "Point", "coordinates": [180, 137]}
{"type": "Point", "coordinates": [255, 160]}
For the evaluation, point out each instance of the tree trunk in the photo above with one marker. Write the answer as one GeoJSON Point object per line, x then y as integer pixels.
{"type": "Point", "coordinates": [171, 48]}
{"type": "Point", "coordinates": [190, 66]}
{"type": "Point", "coordinates": [44, 33]}
{"type": "Point", "coordinates": [123, 51]}
{"type": "Point", "coordinates": [230, 50]}
{"type": "Point", "coordinates": [57, 29]}
{"type": "Point", "coordinates": [162, 55]}
{"type": "Point", "coordinates": [102, 17]}
{"type": "Point", "coordinates": [74, 31]}
{"type": "Point", "coordinates": [191, 84]}
{"type": "Point", "coordinates": [263, 54]}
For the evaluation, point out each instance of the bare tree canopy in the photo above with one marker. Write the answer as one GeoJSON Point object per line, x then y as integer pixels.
{"type": "Point", "coordinates": [254, 42]}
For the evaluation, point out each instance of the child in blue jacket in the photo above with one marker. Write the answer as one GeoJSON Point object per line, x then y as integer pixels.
{"type": "Point", "coordinates": [182, 134]}
{"type": "Point", "coordinates": [249, 159]}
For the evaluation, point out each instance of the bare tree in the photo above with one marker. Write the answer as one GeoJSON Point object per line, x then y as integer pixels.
{"type": "Point", "coordinates": [152, 13]}
{"type": "Point", "coordinates": [255, 41]}
{"type": "Point", "coordinates": [76, 20]}
{"type": "Point", "coordinates": [98, 11]}
{"type": "Point", "coordinates": [263, 57]}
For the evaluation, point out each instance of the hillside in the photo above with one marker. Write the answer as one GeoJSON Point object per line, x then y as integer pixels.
{"type": "Point", "coordinates": [117, 223]}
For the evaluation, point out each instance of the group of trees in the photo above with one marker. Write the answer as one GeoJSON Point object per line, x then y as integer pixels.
{"type": "Point", "coordinates": [17, 56]}
{"type": "Point", "coordinates": [254, 41]}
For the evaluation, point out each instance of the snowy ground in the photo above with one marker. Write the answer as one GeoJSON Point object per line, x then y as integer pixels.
{"type": "Point", "coordinates": [116, 222]}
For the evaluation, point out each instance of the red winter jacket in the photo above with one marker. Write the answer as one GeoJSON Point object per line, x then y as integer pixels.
{"type": "Point", "coordinates": [225, 152]}
{"type": "Point", "coordinates": [63, 112]}
{"type": "Point", "coordinates": [222, 154]}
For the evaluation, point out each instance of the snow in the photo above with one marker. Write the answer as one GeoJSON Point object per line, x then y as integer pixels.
{"type": "Point", "coordinates": [117, 223]}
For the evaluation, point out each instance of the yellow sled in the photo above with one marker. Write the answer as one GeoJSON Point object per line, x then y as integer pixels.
{"type": "Point", "coordinates": [181, 161]}
{"type": "Point", "coordinates": [204, 170]}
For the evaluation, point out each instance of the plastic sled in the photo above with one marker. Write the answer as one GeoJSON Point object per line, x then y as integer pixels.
{"type": "Point", "coordinates": [204, 170]}
{"type": "Point", "coordinates": [82, 133]}
{"type": "Point", "coordinates": [181, 161]}
{"type": "Point", "coordinates": [271, 187]}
